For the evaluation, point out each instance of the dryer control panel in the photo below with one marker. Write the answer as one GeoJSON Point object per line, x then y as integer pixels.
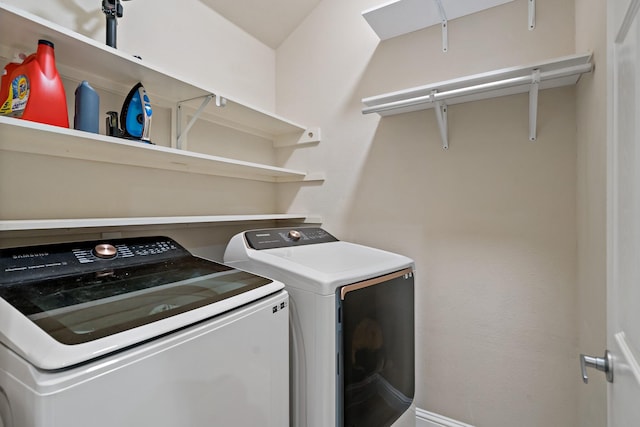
{"type": "Point", "coordinates": [287, 237]}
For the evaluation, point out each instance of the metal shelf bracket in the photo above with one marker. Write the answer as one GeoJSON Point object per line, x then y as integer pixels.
{"type": "Point", "coordinates": [182, 133]}
{"type": "Point", "coordinates": [441, 117]}
{"type": "Point", "coordinates": [444, 24]}
{"type": "Point", "coordinates": [533, 103]}
{"type": "Point", "coordinates": [532, 15]}
{"type": "Point", "coordinates": [221, 101]}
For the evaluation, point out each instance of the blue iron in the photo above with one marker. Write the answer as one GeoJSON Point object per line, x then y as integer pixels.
{"type": "Point", "coordinates": [135, 117]}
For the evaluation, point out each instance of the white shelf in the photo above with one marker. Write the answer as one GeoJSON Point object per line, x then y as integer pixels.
{"type": "Point", "coordinates": [400, 17]}
{"type": "Point", "coordinates": [530, 79]}
{"type": "Point", "coordinates": [36, 138]}
{"type": "Point", "coordinates": [82, 58]}
{"type": "Point", "coordinates": [418, 98]}
{"type": "Point", "coordinates": [59, 224]}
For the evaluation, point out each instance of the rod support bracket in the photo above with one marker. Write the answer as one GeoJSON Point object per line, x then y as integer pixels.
{"type": "Point", "coordinates": [533, 103]}
{"type": "Point", "coordinates": [441, 117]}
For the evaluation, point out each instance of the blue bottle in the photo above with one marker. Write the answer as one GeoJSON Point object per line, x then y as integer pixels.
{"type": "Point", "coordinates": [87, 111]}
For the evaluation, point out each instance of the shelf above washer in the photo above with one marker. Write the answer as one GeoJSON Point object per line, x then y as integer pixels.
{"type": "Point", "coordinates": [58, 224]}
{"type": "Point", "coordinates": [36, 138]}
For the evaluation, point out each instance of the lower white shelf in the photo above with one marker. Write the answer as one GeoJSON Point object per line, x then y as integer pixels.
{"type": "Point", "coordinates": [558, 72]}
{"type": "Point", "coordinates": [58, 224]}
{"type": "Point", "coordinates": [37, 138]}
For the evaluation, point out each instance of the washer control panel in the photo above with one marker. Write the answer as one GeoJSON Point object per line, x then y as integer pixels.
{"type": "Point", "coordinates": [287, 237]}
{"type": "Point", "coordinates": [64, 259]}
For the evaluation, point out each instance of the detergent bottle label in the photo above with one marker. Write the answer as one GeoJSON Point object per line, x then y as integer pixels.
{"type": "Point", "coordinates": [16, 102]}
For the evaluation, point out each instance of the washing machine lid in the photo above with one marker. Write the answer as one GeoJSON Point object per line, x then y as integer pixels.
{"type": "Point", "coordinates": [64, 304]}
{"type": "Point", "coordinates": [319, 265]}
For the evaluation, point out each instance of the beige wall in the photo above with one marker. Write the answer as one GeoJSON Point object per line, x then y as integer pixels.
{"type": "Point", "coordinates": [592, 176]}
{"type": "Point", "coordinates": [491, 222]}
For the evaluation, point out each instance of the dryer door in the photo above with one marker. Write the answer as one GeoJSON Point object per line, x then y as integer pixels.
{"type": "Point", "coordinates": [376, 350]}
{"type": "Point", "coordinates": [6, 418]}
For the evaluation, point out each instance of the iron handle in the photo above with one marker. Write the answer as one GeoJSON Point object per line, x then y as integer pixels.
{"type": "Point", "coordinates": [603, 364]}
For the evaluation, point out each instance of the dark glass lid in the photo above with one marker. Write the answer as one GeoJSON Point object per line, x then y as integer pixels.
{"type": "Point", "coordinates": [79, 292]}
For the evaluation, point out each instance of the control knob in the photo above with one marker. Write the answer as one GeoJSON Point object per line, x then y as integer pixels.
{"type": "Point", "coordinates": [105, 251]}
{"type": "Point", "coordinates": [294, 235]}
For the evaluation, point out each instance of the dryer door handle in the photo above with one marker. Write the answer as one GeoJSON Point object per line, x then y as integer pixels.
{"type": "Point", "coordinates": [375, 281]}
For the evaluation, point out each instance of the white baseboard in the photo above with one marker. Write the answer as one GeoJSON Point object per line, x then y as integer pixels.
{"type": "Point", "coordinates": [429, 419]}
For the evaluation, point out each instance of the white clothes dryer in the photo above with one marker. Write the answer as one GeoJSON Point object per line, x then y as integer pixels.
{"type": "Point", "coordinates": [138, 332]}
{"type": "Point", "coordinates": [352, 325]}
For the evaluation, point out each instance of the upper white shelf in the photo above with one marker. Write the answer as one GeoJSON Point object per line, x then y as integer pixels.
{"type": "Point", "coordinates": [27, 137]}
{"type": "Point", "coordinates": [59, 224]}
{"type": "Point", "coordinates": [82, 58]}
{"type": "Point", "coordinates": [400, 17]}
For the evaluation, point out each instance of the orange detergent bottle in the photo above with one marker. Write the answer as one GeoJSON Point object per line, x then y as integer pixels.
{"type": "Point", "coordinates": [34, 89]}
{"type": "Point", "coordinates": [6, 74]}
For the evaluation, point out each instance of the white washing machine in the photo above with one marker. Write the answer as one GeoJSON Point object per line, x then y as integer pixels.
{"type": "Point", "coordinates": [138, 332]}
{"type": "Point", "coordinates": [352, 325]}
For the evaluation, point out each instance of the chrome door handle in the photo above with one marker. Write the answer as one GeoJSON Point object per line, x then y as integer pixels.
{"type": "Point", "coordinates": [603, 364]}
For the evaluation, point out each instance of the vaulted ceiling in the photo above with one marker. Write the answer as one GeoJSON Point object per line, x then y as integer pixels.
{"type": "Point", "coordinates": [270, 21]}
